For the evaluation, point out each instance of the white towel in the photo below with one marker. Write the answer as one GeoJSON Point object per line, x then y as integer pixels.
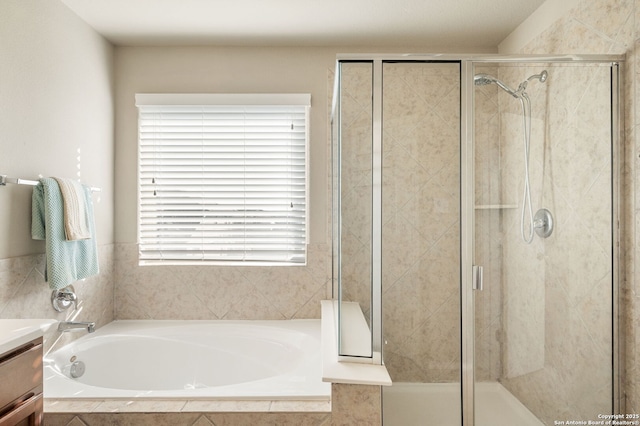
{"type": "Point", "coordinates": [76, 222]}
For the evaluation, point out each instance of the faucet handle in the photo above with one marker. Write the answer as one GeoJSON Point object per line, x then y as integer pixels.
{"type": "Point", "coordinates": [63, 298]}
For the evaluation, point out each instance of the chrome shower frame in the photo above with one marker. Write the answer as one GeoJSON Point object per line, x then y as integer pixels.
{"type": "Point", "coordinates": [467, 213]}
{"type": "Point", "coordinates": [467, 185]}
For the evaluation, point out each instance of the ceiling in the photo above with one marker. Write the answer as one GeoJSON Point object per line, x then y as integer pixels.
{"type": "Point", "coordinates": [471, 24]}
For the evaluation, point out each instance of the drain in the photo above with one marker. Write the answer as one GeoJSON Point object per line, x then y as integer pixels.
{"type": "Point", "coordinates": [77, 369]}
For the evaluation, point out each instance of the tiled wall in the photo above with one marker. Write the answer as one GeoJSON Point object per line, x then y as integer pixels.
{"type": "Point", "coordinates": [350, 405]}
{"type": "Point", "coordinates": [557, 311]}
{"type": "Point", "coordinates": [421, 221]}
{"type": "Point", "coordinates": [25, 294]}
{"type": "Point", "coordinates": [420, 212]}
{"type": "Point", "coordinates": [610, 26]}
{"type": "Point", "coordinates": [209, 292]}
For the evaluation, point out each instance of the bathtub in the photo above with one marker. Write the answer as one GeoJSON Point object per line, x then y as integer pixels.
{"type": "Point", "coordinates": [191, 360]}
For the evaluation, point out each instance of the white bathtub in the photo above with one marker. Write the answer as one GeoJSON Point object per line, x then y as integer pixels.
{"type": "Point", "coordinates": [192, 360]}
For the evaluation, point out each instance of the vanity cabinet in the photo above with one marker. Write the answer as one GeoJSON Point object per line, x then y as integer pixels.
{"type": "Point", "coordinates": [21, 385]}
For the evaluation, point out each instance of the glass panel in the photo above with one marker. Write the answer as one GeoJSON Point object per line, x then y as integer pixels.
{"type": "Point", "coordinates": [421, 242]}
{"type": "Point", "coordinates": [544, 317]}
{"type": "Point", "coordinates": [354, 153]}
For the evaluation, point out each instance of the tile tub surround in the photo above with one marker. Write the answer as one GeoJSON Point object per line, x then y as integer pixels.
{"type": "Point", "coordinates": [25, 294]}
{"type": "Point", "coordinates": [189, 419]}
{"type": "Point", "coordinates": [177, 412]}
{"type": "Point", "coordinates": [350, 405]}
{"type": "Point", "coordinates": [220, 292]}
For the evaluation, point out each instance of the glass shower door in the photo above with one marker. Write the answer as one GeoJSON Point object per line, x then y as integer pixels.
{"type": "Point", "coordinates": [545, 238]}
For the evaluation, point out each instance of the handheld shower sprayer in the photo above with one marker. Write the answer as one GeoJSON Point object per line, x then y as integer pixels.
{"type": "Point", "coordinates": [521, 95]}
{"type": "Point", "coordinates": [486, 79]}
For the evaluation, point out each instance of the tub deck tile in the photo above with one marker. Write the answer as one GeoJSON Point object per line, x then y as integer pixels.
{"type": "Point", "coordinates": [148, 406]}
{"type": "Point", "coordinates": [71, 405]}
{"type": "Point", "coordinates": [269, 419]}
{"type": "Point", "coordinates": [185, 406]}
{"type": "Point", "coordinates": [301, 406]}
{"type": "Point", "coordinates": [203, 406]}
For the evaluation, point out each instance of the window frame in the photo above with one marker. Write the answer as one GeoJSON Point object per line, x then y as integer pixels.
{"type": "Point", "coordinates": [220, 100]}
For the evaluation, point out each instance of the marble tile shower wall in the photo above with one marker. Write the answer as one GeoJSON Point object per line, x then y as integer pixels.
{"type": "Point", "coordinates": [557, 291]}
{"type": "Point", "coordinates": [420, 217]}
{"type": "Point", "coordinates": [25, 294]}
{"type": "Point", "coordinates": [420, 232]}
{"type": "Point", "coordinates": [613, 26]}
{"type": "Point", "coordinates": [209, 292]}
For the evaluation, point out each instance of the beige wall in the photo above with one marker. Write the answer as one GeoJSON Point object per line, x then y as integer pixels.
{"type": "Point", "coordinates": [56, 113]}
{"type": "Point", "coordinates": [56, 116]}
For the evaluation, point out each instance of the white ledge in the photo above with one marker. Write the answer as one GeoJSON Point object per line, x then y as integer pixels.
{"type": "Point", "coordinates": [17, 332]}
{"type": "Point", "coordinates": [355, 335]}
{"type": "Point", "coordinates": [336, 371]}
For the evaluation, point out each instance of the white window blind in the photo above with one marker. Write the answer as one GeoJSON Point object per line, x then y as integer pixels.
{"type": "Point", "coordinates": [223, 178]}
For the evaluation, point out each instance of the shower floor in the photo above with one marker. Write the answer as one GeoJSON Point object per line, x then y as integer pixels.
{"type": "Point", "coordinates": [423, 404]}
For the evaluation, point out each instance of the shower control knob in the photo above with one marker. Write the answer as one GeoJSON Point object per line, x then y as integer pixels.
{"type": "Point", "coordinates": [543, 223]}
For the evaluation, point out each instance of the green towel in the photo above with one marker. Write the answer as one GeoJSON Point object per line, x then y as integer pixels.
{"type": "Point", "coordinates": [67, 261]}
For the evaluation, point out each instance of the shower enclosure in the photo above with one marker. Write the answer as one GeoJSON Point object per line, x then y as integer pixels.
{"type": "Point", "coordinates": [475, 212]}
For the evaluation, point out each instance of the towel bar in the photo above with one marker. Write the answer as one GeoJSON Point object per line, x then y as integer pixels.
{"type": "Point", "coordinates": [4, 180]}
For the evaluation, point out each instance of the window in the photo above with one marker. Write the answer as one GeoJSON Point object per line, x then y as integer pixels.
{"type": "Point", "coordinates": [222, 178]}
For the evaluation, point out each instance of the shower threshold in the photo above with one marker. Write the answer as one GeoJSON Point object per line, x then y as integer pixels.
{"type": "Point", "coordinates": [410, 404]}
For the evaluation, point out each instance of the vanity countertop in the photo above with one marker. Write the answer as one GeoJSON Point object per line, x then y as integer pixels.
{"type": "Point", "coordinates": [15, 332]}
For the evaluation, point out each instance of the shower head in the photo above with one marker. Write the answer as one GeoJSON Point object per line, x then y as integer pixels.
{"type": "Point", "coordinates": [485, 79]}
{"type": "Point", "coordinates": [542, 76]}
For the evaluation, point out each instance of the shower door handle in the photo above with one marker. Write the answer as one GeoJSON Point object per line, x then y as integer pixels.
{"type": "Point", "coordinates": [478, 283]}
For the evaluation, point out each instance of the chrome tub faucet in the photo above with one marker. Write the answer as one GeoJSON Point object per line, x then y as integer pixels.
{"type": "Point", "coordinates": [65, 326]}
